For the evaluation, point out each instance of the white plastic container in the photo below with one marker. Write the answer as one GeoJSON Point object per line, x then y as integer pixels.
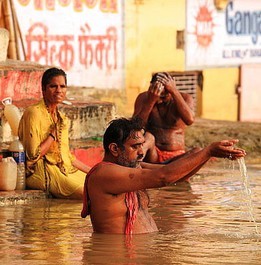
{"type": "Point", "coordinates": [18, 155]}
{"type": "Point", "coordinates": [8, 174]}
{"type": "Point", "coordinates": [12, 114]}
{"type": "Point", "coordinates": [4, 41]}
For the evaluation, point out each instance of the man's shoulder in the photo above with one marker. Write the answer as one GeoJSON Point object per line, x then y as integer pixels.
{"type": "Point", "coordinates": [142, 95]}
{"type": "Point", "coordinates": [102, 167]}
{"type": "Point", "coordinates": [145, 93]}
{"type": "Point", "coordinates": [103, 172]}
{"type": "Point", "coordinates": [106, 168]}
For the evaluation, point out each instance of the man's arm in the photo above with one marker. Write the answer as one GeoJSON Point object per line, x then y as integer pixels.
{"type": "Point", "coordinates": [116, 179]}
{"type": "Point", "coordinates": [150, 165]}
{"type": "Point", "coordinates": [146, 101]}
{"type": "Point", "coordinates": [184, 102]}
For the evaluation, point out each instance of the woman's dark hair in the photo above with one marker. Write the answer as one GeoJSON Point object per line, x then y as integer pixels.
{"type": "Point", "coordinates": [49, 74]}
{"type": "Point", "coordinates": [119, 130]}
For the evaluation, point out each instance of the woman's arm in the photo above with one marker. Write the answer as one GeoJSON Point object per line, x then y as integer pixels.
{"type": "Point", "coordinates": [81, 166]}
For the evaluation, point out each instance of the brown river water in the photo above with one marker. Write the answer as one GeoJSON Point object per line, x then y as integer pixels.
{"type": "Point", "coordinates": [214, 219]}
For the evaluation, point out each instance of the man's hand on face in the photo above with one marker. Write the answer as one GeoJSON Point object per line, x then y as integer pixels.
{"type": "Point", "coordinates": [168, 81]}
{"type": "Point", "coordinates": [154, 92]}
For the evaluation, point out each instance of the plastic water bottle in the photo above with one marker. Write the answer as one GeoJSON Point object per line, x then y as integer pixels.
{"type": "Point", "coordinates": [17, 150]}
{"type": "Point", "coordinates": [8, 174]}
{"type": "Point", "coordinates": [12, 114]}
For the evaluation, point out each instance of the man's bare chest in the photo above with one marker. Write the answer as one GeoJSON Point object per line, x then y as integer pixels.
{"type": "Point", "coordinates": [162, 116]}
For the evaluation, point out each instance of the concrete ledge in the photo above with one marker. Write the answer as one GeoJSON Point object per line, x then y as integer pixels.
{"type": "Point", "coordinates": [87, 119]}
{"type": "Point", "coordinates": [20, 196]}
{"type": "Point", "coordinates": [20, 80]}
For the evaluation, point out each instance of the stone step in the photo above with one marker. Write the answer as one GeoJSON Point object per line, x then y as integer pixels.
{"type": "Point", "coordinates": [20, 196]}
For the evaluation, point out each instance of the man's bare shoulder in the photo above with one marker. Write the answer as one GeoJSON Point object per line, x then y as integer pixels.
{"type": "Point", "coordinates": [103, 172]}
{"type": "Point", "coordinates": [103, 166]}
{"type": "Point", "coordinates": [108, 170]}
{"type": "Point", "coordinates": [142, 96]}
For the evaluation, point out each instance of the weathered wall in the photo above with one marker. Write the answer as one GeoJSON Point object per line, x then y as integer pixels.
{"type": "Point", "coordinates": [84, 38]}
{"type": "Point", "coordinates": [20, 80]}
{"type": "Point", "coordinates": [150, 41]}
{"type": "Point", "coordinates": [220, 99]}
{"type": "Point", "coordinates": [150, 29]}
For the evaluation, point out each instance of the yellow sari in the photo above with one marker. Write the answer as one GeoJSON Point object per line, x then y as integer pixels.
{"type": "Point", "coordinates": [54, 172]}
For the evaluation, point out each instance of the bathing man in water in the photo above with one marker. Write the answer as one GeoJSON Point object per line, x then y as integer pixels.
{"type": "Point", "coordinates": [115, 189]}
{"type": "Point", "coordinates": [166, 112]}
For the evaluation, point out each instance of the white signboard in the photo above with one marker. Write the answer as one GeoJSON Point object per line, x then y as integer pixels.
{"type": "Point", "coordinates": [218, 38]}
{"type": "Point", "coordinates": [82, 37]}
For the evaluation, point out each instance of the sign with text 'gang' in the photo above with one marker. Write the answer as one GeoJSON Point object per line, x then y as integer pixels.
{"type": "Point", "coordinates": [84, 38]}
{"type": "Point", "coordinates": [222, 37]}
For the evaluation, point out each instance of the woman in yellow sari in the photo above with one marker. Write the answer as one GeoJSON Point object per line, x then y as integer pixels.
{"type": "Point", "coordinates": [43, 131]}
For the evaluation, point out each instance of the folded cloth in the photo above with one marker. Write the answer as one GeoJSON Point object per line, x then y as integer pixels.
{"type": "Point", "coordinates": [166, 155]}
{"type": "Point", "coordinates": [132, 204]}
{"type": "Point", "coordinates": [86, 209]}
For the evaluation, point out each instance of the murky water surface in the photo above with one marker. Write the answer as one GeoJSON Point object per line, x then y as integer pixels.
{"type": "Point", "coordinates": [209, 221]}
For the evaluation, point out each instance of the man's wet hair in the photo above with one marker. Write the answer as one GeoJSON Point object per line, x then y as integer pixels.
{"type": "Point", "coordinates": [49, 74]}
{"type": "Point", "coordinates": [119, 130]}
{"type": "Point", "coordinates": [155, 76]}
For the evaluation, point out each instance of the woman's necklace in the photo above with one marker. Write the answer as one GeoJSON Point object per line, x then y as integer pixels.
{"type": "Point", "coordinates": [53, 114]}
{"type": "Point", "coordinates": [58, 126]}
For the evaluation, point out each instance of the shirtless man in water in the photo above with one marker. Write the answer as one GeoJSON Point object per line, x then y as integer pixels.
{"type": "Point", "coordinates": [115, 189]}
{"type": "Point", "coordinates": [166, 112]}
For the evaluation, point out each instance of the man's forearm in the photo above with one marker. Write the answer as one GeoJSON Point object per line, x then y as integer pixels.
{"type": "Point", "coordinates": [185, 167]}
{"type": "Point", "coordinates": [185, 111]}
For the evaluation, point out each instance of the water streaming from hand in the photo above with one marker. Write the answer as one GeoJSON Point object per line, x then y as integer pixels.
{"type": "Point", "coordinates": [247, 192]}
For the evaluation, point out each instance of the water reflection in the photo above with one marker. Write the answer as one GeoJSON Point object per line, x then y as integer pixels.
{"type": "Point", "coordinates": [204, 222]}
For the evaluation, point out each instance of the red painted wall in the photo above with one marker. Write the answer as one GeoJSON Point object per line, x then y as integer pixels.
{"type": "Point", "coordinates": [90, 156]}
{"type": "Point", "coordinates": [19, 84]}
